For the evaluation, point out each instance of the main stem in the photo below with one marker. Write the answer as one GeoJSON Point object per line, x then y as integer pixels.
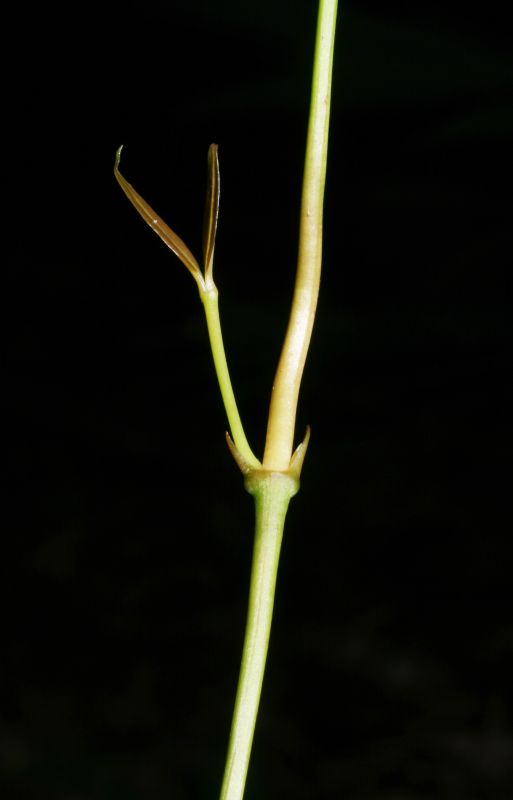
{"type": "Point", "coordinates": [282, 412]}
{"type": "Point", "coordinates": [272, 492]}
{"type": "Point", "coordinates": [277, 481]}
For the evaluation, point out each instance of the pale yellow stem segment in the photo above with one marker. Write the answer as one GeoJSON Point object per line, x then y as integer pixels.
{"type": "Point", "coordinates": [282, 412]}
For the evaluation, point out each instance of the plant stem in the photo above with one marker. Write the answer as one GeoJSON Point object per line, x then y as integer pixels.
{"type": "Point", "coordinates": [272, 493]}
{"type": "Point", "coordinates": [210, 300]}
{"type": "Point", "coordinates": [275, 481]}
{"type": "Point", "coordinates": [205, 283]}
{"type": "Point", "coordinates": [282, 412]}
{"type": "Point", "coordinates": [278, 480]}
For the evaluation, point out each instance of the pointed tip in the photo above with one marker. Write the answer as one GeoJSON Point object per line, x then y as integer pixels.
{"type": "Point", "coordinates": [118, 157]}
{"type": "Point", "coordinates": [298, 456]}
{"type": "Point", "coordinates": [244, 465]}
{"type": "Point", "coordinates": [211, 213]}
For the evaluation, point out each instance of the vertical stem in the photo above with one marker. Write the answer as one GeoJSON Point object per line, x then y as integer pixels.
{"type": "Point", "coordinates": [272, 492]}
{"type": "Point", "coordinates": [275, 484]}
{"type": "Point", "coordinates": [282, 413]}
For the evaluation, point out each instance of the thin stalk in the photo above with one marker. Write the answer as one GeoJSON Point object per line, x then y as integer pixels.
{"type": "Point", "coordinates": [205, 283]}
{"type": "Point", "coordinates": [275, 481]}
{"type": "Point", "coordinates": [282, 412]}
{"type": "Point", "coordinates": [272, 492]}
{"type": "Point", "coordinates": [278, 480]}
{"type": "Point", "coordinates": [209, 298]}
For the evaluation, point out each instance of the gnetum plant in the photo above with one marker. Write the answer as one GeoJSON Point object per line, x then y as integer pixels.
{"type": "Point", "coordinates": [275, 479]}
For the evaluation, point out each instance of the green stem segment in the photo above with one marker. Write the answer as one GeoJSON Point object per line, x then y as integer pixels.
{"type": "Point", "coordinates": [272, 492]}
{"type": "Point", "coordinates": [210, 300]}
{"type": "Point", "coordinates": [277, 480]}
{"type": "Point", "coordinates": [274, 484]}
{"type": "Point", "coordinates": [205, 283]}
{"type": "Point", "coordinates": [282, 412]}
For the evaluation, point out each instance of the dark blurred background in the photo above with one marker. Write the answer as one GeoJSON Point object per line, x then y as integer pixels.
{"type": "Point", "coordinates": [127, 535]}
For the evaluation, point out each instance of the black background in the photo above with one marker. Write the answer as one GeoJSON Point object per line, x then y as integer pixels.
{"type": "Point", "coordinates": [127, 535]}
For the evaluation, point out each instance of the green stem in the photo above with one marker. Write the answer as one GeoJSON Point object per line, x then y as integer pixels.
{"type": "Point", "coordinates": [277, 482]}
{"type": "Point", "coordinates": [206, 286]}
{"type": "Point", "coordinates": [272, 492]}
{"type": "Point", "coordinates": [282, 412]}
{"type": "Point", "coordinates": [210, 300]}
